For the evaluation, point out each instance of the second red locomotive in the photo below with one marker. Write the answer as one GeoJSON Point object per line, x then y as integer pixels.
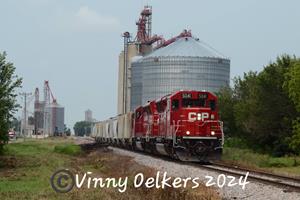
{"type": "Point", "coordinates": [184, 125]}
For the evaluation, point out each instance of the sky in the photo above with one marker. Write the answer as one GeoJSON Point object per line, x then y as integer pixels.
{"type": "Point", "coordinates": [75, 43]}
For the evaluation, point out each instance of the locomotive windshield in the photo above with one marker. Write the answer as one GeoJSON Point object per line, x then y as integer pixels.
{"type": "Point", "coordinates": [190, 103]}
{"type": "Point", "coordinates": [212, 105]}
{"type": "Point", "coordinates": [175, 104]}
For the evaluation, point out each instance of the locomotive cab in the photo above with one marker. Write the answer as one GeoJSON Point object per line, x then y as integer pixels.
{"type": "Point", "coordinates": [199, 134]}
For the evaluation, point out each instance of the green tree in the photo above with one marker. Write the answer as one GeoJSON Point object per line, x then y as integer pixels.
{"type": "Point", "coordinates": [245, 107]}
{"type": "Point", "coordinates": [292, 85]}
{"type": "Point", "coordinates": [294, 141]}
{"type": "Point", "coordinates": [226, 102]}
{"type": "Point", "coordinates": [263, 112]}
{"type": "Point", "coordinates": [9, 82]}
{"type": "Point", "coordinates": [83, 128]}
{"type": "Point", "coordinates": [67, 130]}
{"type": "Point", "coordinates": [277, 111]}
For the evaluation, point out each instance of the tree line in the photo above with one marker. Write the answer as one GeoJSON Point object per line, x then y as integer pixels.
{"type": "Point", "coordinates": [262, 109]}
{"type": "Point", "coordinates": [83, 128]}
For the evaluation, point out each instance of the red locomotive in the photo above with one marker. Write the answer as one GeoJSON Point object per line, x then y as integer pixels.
{"type": "Point", "coordinates": [184, 125]}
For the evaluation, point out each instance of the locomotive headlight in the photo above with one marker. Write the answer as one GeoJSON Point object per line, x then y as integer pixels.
{"type": "Point", "coordinates": [212, 133]}
{"type": "Point", "coordinates": [212, 116]}
{"type": "Point", "coordinates": [187, 132]}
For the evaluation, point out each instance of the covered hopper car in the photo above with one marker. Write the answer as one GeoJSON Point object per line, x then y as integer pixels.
{"type": "Point", "coordinates": [184, 125]}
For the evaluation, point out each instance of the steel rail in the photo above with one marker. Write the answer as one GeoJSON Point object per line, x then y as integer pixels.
{"type": "Point", "coordinates": [288, 183]}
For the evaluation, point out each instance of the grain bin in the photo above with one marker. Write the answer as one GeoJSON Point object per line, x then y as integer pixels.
{"type": "Point", "coordinates": [186, 64]}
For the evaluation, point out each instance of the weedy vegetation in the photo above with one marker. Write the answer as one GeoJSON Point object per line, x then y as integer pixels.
{"type": "Point", "coordinates": [26, 168]}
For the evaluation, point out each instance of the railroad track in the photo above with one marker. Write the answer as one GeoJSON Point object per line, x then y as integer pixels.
{"type": "Point", "coordinates": [263, 173]}
{"type": "Point", "coordinates": [288, 183]}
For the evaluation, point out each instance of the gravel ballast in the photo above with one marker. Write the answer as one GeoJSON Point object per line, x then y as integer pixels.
{"type": "Point", "coordinates": [253, 190]}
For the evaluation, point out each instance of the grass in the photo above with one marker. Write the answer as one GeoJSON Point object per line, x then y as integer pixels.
{"type": "Point", "coordinates": [69, 149]}
{"type": "Point", "coordinates": [248, 158]}
{"type": "Point", "coordinates": [26, 168]}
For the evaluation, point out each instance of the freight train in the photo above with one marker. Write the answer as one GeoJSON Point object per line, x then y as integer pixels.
{"type": "Point", "coordinates": [184, 125]}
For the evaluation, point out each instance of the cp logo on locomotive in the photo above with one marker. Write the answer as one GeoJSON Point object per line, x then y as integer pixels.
{"type": "Point", "coordinates": [193, 116]}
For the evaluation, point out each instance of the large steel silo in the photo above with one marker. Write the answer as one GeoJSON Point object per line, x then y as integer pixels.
{"type": "Point", "coordinates": [186, 64]}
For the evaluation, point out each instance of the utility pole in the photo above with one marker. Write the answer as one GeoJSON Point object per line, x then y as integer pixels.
{"type": "Point", "coordinates": [25, 95]}
{"type": "Point", "coordinates": [126, 37]}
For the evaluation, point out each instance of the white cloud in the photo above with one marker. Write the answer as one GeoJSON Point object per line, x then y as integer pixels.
{"type": "Point", "coordinates": [86, 19]}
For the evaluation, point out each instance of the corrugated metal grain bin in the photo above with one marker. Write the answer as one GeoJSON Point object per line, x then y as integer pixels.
{"type": "Point", "coordinates": [186, 64]}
